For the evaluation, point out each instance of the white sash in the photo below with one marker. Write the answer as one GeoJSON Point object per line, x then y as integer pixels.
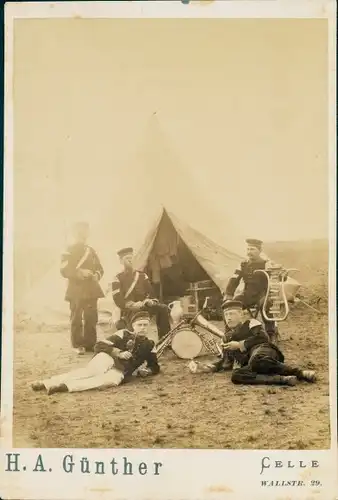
{"type": "Point", "coordinates": [132, 286]}
{"type": "Point", "coordinates": [83, 258]}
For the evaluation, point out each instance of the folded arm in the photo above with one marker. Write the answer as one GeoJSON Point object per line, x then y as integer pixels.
{"type": "Point", "coordinates": [148, 288]}
{"type": "Point", "coordinates": [152, 361]}
{"type": "Point", "coordinates": [117, 294]}
{"type": "Point", "coordinates": [108, 346]}
{"type": "Point", "coordinates": [258, 336]}
{"type": "Point", "coordinates": [233, 282]}
{"type": "Point", "coordinates": [148, 296]}
{"type": "Point", "coordinates": [98, 269]}
{"type": "Point", "coordinates": [68, 270]}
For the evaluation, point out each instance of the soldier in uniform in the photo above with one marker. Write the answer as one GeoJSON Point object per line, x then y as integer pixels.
{"type": "Point", "coordinates": [114, 362]}
{"type": "Point", "coordinates": [132, 291]}
{"type": "Point", "coordinates": [81, 266]}
{"type": "Point", "coordinates": [255, 360]}
{"type": "Point", "coordinates": [255, 285]}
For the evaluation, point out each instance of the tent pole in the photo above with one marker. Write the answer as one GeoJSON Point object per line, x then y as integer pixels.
{"type": "Point", "coordinates": [161, 290]}
{"type": "Point", "coordinates": [308, 305]}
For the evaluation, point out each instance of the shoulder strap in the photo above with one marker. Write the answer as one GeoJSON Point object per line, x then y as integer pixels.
{"type": "Point", "coordinates": [254, 322]}
{"type": "Point", "coordinates": [132, 286]}
{"type": "Point", "coordinates": [83, 258]}
{"type": "Point", "coordinates": [119, 333]}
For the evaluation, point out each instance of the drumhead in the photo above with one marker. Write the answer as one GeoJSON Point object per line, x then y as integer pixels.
{"type": "Point", "coordinates": [186, 344]}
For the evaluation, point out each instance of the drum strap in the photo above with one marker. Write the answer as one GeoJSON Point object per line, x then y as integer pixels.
{"type": "Point", "coordinates": [132, 286]}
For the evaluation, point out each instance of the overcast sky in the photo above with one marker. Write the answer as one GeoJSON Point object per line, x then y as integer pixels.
{"type": "Point", "coordinates": [243, 104]}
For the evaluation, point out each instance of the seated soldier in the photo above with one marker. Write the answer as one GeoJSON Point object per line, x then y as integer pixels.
{"type": "Point", "coordinates": [114, 361]}
{"type": "Point", "coordinates": [132, 292]}
{"type": "Point", "coordinates": [255, 284]}
{"type": "Point", "coordinates": [251, 355]}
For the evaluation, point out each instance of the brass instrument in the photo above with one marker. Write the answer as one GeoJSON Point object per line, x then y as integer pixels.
{"type": "Point", "coordinates": [275, 306]}
{"type": "Point", "coordinates": [207, 335]}
{"type": "Point", "coordinates": [165, 341]}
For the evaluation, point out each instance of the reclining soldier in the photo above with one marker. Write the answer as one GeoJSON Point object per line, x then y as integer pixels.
{"type": "Point", "coordinates": [115, 360]}
{"type": "Point", "coordinates": [254, 359]}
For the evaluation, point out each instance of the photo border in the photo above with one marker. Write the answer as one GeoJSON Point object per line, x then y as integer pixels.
{"type": "Point", "coordinates": [218, 8]}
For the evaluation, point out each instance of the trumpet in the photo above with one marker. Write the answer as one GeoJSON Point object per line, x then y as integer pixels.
{"type": "Point", "coordinates": [208, 334]}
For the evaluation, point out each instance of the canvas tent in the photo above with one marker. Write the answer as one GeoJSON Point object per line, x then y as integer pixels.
{"type": "Point", "coordinates": [185, 253]}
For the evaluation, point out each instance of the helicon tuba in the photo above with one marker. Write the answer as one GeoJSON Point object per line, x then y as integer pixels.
{"type": "Point", "coordinates": [275, 306]}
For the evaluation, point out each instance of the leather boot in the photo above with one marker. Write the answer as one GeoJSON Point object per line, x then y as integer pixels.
{"type": "Point", "coordinates": [276, 380]}
{"type": "Point", "coordinates": [57, 388]}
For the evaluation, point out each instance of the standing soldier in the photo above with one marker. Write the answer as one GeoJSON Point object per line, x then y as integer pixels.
{"type": "Point", "coordinates": [255, 285]}
{"type": "Point", "coordinates": [81, 266]}
{"type": "Point", "coordinates": [133, 292]}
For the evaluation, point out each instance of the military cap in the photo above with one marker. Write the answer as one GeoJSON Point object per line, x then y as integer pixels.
{"type": "Point", "coordinates": [231, 304]}
{"type": "Point", "coordinates": [255, 243]}
{"type": "Point", "coordinates": [139, 315]}
{"type": "Point", "coordinates": [125, 251]}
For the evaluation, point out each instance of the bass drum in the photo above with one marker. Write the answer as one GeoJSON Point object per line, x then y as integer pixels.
{"type": "Point", "coordinates": [186, 343]}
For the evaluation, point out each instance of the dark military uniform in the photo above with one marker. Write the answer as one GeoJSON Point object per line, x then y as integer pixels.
{"type": "Point", "coordinates": [129, 287]}
{"type": "Point", "coordinates": [260, 361]}
{"type": "Point", "coordinates": [142, 349]}
{"type": "Point", "coordinates": [255, 287]}
{"type": "Point", "coordinates": [82, 294]}
{"type": "Point", "coordinates": [255, 284]}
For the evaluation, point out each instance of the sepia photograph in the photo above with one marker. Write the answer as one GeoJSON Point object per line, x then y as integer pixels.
{"type": "Point", "coordinates": [171, 233]}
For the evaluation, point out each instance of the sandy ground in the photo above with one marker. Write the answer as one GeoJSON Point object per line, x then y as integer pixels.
{"type": "Point", "coordinates": [177, 409]}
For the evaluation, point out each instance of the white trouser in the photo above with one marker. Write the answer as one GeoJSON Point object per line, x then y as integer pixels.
{"type": "Point", "coordinates": [99, 373]}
